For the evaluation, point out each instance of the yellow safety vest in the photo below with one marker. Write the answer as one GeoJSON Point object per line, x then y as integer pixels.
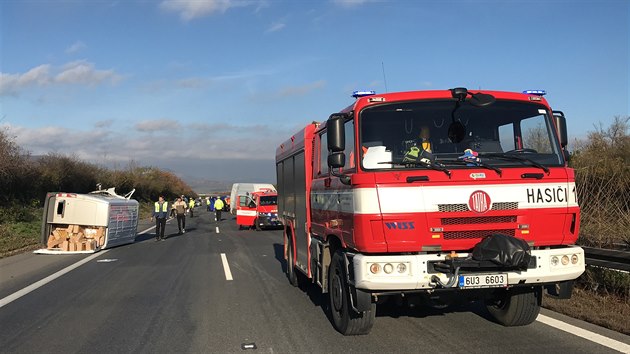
{"type": "Point", "coordinates": [157, 207]}
{"type": "Point", "coordinates": [218, 204]}
{"type": "Point", "coordinates": [191, 204]}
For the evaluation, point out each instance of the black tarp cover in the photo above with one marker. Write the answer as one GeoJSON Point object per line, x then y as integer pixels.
{"type": "Point", "coordinates": [503, 250]}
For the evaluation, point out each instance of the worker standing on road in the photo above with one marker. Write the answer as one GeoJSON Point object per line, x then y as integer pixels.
{"type": "Point", "coordinates": [218, 206]}
{"type": "Point", "coordinates": [160, 213]}
{"type": "Point", "coordinates": [208, 203]}
{"type": "Point", "coordinates": [179, 207]}
{"type": "Point", "coordinates": [191, 206]}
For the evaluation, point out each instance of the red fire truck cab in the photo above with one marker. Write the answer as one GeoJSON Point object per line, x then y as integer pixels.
{"type": "Point", "coordinates": [258, 210]}
{"type": "Point", "coordinates": [432, 197]}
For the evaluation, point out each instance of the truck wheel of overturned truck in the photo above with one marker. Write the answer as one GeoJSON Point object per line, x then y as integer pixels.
{"type": "Point", "coordinates": [345, 319]}
{"type": "Point", "coordinates": [517, 307]}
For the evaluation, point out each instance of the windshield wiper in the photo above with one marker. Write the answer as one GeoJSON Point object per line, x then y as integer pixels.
{"type": "Point", "coordinates": [476, 163]}
{"type": "Point", "coordinates": [513, 157]}
{"type": "Point", "coordinates": [422, 162]}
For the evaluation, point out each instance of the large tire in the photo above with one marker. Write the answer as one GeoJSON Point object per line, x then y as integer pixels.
{"type": "Point", "coordinates": [517, 307]}
{"type": "Point", "coordinates": [257, 225]}
{"type": "Point", "coordinates": [345, 319]}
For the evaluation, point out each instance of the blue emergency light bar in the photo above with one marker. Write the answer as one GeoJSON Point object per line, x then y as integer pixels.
{"type": "Point", "coordinates": [535, 92]}
{"type": "Point", "coordinates": [357, 94]}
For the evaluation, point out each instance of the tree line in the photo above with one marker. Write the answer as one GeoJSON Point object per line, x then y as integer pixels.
{"type": "Point", "coordinates": [25, 180]}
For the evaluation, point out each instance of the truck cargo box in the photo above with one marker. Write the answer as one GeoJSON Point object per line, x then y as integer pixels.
{"type": "Point", "coordinates": [86, 223]}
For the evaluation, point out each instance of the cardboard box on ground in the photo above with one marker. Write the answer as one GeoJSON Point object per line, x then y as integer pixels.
{"type": "Point", "coordinates": [76, 238]}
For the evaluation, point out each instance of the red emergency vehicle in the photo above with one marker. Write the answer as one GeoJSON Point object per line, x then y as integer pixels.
{"type": "Point", "coordinates": [432, 197]}
{"type": "Point", "coordinates": [258, 210]}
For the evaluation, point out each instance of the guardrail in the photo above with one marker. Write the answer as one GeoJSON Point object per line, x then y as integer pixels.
{"type": "Point", "coordinates": [613, 259]}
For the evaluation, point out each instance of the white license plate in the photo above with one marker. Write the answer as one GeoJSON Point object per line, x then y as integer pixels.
{"type": "Point", "coordinates": [483, 281]}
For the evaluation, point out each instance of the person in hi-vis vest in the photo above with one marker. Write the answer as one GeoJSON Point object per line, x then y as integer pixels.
{"type": "Point", "coordinates": [160, 213]}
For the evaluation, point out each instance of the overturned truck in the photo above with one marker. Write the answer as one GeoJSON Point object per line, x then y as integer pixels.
{"type": "Point", "coordinates": [86, 223]}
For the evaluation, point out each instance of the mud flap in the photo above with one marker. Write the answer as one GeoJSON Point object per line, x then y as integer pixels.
{"type": "Point", "coordinates": [562, 290]}
{"type": "Point", "coordinates": [360, 300]}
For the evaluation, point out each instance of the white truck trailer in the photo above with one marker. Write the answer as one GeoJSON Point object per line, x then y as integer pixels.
{"type": "Point", "coordinates": [246, 188]}
{"type": "Point", "coordinates": [86, 223]}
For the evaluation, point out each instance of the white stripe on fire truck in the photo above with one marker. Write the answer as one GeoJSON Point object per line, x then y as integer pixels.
{"type": "Point", "coordinates": [427, 199]}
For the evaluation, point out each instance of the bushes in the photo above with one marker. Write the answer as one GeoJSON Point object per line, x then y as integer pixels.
{"type": "Point", "coordinates": [602, 173]}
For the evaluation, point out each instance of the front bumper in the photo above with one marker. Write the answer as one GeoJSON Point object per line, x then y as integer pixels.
{"type": "Point", "coordinates": [268, 220]}
{"type": "Point", "coordinates": [418, 276]}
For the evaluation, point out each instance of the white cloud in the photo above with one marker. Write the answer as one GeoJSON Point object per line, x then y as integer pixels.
{"type": "Point", "coordinates": [11, 84]}
{"type": "Point", "coordinates": [275, 27]}
{"type": "Point", "coordinates": [83, 72]}
{"type": "Point", "coordinates": [192, 9]}
{"type": "Point", "coordinates": [76, 47]}
{"type": "Point", "coordinates": [78, 72]}
{"type": "Point", "coordinates": [157, 125]}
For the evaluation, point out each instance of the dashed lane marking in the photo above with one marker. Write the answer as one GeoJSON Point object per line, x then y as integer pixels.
{"type": "Point", "coordinates": [226, 267]}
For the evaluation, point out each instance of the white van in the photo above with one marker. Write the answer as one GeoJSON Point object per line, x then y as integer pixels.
{"type": "Point", "coordinates": [86, 223]}
{"type": "Point", "coordinates": [244, 188]}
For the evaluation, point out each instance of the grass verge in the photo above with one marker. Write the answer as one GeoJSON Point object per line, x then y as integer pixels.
{"type": "Point", "coordinates": [604, 305]}
{"type": "Point", "coordinates": [20, 236]}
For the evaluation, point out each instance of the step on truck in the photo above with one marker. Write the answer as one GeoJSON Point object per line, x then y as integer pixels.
{"type": "Point", "coordinates": [431, 198]}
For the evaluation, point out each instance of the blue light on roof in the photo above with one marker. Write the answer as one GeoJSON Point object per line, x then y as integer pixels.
{"type": "Point", "coordinates": [535, 92]}
{"type": "Point", "coordinates": [357, 94]}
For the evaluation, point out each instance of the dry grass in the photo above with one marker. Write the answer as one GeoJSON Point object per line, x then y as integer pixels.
{"type": "Point", "coordinates": [606, 310]}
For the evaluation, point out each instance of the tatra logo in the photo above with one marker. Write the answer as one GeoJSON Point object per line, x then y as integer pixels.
{"type": "Point", "coordinates": [403, 225]}
{"type": "Point", "coordinates": [479, 201]}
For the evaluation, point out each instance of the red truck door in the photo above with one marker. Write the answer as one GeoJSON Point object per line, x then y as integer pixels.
{"type": "Point", "coordinates": [245, 211]}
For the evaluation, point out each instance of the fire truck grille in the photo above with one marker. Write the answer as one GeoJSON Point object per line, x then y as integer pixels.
{"type": "Point", "coordinates": [452, 208]}
{"type": "Point", "coordinates": [458, 208]}
{"type": "Point", "coordinates": [458, 235]}
{"type": "Point", "coordinates": [479, 220]}
{"type": "Point", "coordinates": [505, 206]}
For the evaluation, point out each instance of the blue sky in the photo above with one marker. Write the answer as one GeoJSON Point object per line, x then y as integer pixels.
{"type": "Point", "coordinates": [210, 88]}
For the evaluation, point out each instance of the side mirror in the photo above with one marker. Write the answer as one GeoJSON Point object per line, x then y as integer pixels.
{"type": "Point", "coordinates": [335, 133]}
{"type": "Point", "coordinates": [561, 127]}
{"type": "Point", "coordinates": [336, 159]}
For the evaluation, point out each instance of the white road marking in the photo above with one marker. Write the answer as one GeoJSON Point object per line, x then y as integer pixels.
{"type": "Point", "coordinates": [18, 294]}
{"type": "Point", "coordinates": [580, 332]}
{"type": "Point", "coordinates": [217, 229]}
{"type": "Point", "coordinates": [226, 267]}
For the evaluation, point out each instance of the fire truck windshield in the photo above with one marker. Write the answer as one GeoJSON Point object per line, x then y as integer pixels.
{"type": "Point", "coordinates": [398, 135]}
{"type": "Point", "coordinates": [269, 200]}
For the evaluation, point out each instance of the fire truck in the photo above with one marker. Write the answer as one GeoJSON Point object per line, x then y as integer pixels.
{"type": "Point", "coordinates": [258, 210]}
{"type": "Point", "coordinates": [432, 197]}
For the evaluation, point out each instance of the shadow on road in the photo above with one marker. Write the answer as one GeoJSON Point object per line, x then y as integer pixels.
{"type": "Point", "coordinates": [394, 306]}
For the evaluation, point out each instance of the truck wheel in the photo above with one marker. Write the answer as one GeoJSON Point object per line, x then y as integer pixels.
{"type": "Point", "coordinates": [345, 319]}
{"type": "Point", "coordinates": [291, 273]}
{"type": "Point", "coordinates": [516, 307]}
{"type": "Point", "coordinates": [257, 225]}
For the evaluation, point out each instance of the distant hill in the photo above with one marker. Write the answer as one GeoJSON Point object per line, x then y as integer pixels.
{"type": "Point", "coordinates": [206, 186]}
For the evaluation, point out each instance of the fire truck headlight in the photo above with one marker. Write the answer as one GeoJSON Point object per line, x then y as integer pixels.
{"type": "Point", "coordinates": [388, 268]}
{"type": "Point", "coordinates": [574, 259]}
{"type": "Point", "coordinates": [555, 261]}
{"type": "Point", "coordinates": [565, 260]}
{"type": "Point", "coordinates": [375, 268]}
{"type": "Point", "coordinates": [402, 268]}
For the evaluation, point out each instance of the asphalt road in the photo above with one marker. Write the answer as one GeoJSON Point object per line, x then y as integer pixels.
{"type": "Point", "coordinates": [175, 296]}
